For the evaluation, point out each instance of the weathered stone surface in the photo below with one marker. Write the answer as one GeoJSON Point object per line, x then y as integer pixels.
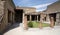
{"type": "Point", "coordinates": [47, 18]}
{"type": "Point", "coordinates": [27, 9]}
{"type": "Point", "coordinates": [55, 7]}
{"type": "Point", "coordinates": [52, 22]}
{"type": "Point", "coordinates": [40, 25]}
{"type": "Point", "coordinates": [25, 23]}
{"type": "Point", "coordinates": [57, 19]}
{"type": "Point", "coordinates": [4, 7]}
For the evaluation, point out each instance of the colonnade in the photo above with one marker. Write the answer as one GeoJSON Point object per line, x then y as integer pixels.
{"type": "Point", "coordinates": [41, 21]}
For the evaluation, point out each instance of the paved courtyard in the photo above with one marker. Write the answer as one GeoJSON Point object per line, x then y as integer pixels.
{"type": "Point", "coordinates": [18, 30]}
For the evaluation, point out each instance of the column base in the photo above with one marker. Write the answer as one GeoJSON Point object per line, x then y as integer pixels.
{"type": "Point", "coordinates": [40, 25]}
{"type": "Point", "coordinates": [25, 28]}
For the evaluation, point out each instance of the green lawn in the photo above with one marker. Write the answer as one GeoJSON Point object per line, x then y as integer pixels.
{"type": "Point", "coordinates": [34, 24]}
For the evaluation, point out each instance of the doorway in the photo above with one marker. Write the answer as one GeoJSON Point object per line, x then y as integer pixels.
{"type": "Point", "coordinates": [9, 16]}
{"type": "Point", "coordinates": [18, 15]}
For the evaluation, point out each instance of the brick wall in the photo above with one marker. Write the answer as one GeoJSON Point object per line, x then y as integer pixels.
{"type": "Point", "coordinates": [27, 9]}
{"type": "Point", "coordinates": [2, 25]}
{"type": "Point", "coordinates": [5, 7]}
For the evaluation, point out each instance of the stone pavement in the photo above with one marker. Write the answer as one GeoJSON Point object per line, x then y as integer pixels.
{"type": "Point", "coordinates": [33, 31]}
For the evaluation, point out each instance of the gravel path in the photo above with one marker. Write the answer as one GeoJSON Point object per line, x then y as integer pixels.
{"type": "Point", "coordinates": [34, 31]}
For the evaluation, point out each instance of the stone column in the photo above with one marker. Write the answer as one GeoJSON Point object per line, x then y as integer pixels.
{"type": "Point", "coordinates": [40, 25]}
{"type": "Point", "coordinates": [52, 22]}
{"type": "Point", "coordinates": [37, 18]}
{"type": "Point", "coordinates": [41, 20]}
{"type": "Point", "coordinates": [23, 17]}
{"type": "Point", "coordinates": [47, 18]}
{"type": "Point", "coordinates": [30, 17]}
{"type": "Point", "coordinates": [57, 19]}
{"type": "Point", "coordinates": [25, 22]}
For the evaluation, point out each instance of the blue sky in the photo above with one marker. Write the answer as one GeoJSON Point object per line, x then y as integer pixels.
{"type": "Point", "coordinates": [40, 5]}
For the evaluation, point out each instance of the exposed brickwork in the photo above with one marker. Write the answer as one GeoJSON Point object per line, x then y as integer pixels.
{"type": "Point", "coordinates": [25, 23]}
{"type": "Point", "coordinates": [4, 7]}
{"type": "Point", "coordinates": [27, 9]}
{"type": "Point", "coordinates": [40, 25]}
{"type": "Point", "coordinates": [41, 20]}
{"type": "Point", "coordinates": [52, 22]}
{"type": "Point", "coordinates": [1, 14]}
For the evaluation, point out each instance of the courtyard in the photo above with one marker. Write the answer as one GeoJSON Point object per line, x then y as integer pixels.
{"type": "Point", "coordinates": [18, 30]}
{"type": "Point", "coordinates": [25, 20]}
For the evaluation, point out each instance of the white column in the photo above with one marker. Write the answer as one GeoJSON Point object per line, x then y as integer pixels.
{"type": "Point", "coordinates": [47, 18]}
{"type": "Point", "coordinates": [23, 19]}
{"type": "Point", "coordinates": [37, 18]}
{"type": "Point", "coordinates": [30, 17]}
{"type": "Point", "coordinates": [52, 22]}
{"type": "Point", "coordinates": [41, 17]}
{"type": "Point", "coordinates": [41, 20]}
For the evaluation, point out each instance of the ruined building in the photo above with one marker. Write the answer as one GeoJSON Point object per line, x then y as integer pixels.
{"type": "Point", "coordinates": [10, 14]}
{"type": "Point", "coordinates": [53, 10]}
{"type": "Point", "coordinates": [6, 14]}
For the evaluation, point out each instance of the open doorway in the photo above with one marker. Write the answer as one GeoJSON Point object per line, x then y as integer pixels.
{"type": "Point", "coordinates": [10, 19]}
{"type": "Point", "coordinates": [9, 16]}
{"type": "Point", "coordinates": [18, 15]}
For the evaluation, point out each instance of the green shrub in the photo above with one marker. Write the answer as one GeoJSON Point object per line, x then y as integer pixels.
{"type": "Point", "coordinates": [34, 24]}
{"type": "Point", "coordinates": [30, 24]}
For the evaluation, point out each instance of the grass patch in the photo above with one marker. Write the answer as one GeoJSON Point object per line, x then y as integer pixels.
{"type": "Point", "coordinates": [34, 24]}
{"type": "Point", "coordinates": [45, 25]}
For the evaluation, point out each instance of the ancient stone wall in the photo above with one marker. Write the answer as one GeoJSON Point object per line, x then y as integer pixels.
{"type": "Point", "coordinates": [4, 7]}
{"type": "Point", "coordinates": [2, 25]}
{"type": "Point", "coordinates": [54, 7]}
{"type": "Point", "coordinates": [27, 9]}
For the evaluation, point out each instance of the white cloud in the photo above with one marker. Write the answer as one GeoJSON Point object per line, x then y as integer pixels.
{"type": "Point", "coordinates": [42, 5]}
{"type": "Point", "coordinates": [38, 7]}
{"type": "Point", "coordinates": [40, 10]}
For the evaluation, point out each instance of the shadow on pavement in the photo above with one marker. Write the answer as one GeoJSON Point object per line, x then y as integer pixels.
{"type": "Point", "coordinates": [15, 25]}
